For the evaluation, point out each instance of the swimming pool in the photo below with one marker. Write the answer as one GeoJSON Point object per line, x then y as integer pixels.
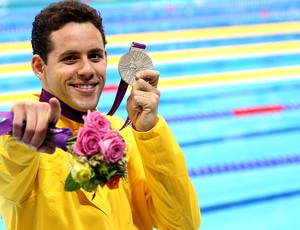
{"type": "Point", "coordinates": [230, 93]}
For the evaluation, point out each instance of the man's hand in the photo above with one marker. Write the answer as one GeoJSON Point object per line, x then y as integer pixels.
{"type": "Point", "coordinates": [36, 116]}
{"type": "Point", "coordinates": [142, 104]}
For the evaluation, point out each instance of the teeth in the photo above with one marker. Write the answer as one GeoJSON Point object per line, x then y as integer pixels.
{"type": "Point", "coordinates": [84, 86]}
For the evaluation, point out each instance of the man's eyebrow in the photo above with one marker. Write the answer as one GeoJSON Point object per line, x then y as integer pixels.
{"type": "Point", "coordinates": [69, 52]}
{"type": "Point", "coordinates": [96, 50]}
{"type": "Point", "coordinates": [75, 52]}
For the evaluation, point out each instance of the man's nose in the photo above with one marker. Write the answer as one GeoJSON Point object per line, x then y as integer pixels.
{"type": "Point", "coordinates": [86, 69]}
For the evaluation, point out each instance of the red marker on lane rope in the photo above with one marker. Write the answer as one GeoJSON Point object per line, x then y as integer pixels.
{"type": "Point", "coordinates": [258, 110]}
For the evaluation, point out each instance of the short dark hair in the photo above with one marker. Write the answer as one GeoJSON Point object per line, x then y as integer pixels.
{"type": "Point", "coordinates": [54, 17]}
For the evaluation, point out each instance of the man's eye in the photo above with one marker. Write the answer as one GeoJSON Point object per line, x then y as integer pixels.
{"type": "Point", "coordinates": [69, 59]}
{"type": "Point", "coordinates": [95, 57]}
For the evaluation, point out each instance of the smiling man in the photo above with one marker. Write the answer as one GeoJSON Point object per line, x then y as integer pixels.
{"type": "Point", "coordinates": [70, 59]}
{"type": "Point", "coordinates": [75, 74]}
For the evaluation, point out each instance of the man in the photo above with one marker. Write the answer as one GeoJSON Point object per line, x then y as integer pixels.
{"type": "Point", "coordinates": [70, 59]}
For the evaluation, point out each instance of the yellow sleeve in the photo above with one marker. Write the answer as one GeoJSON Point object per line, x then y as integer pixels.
{"type": "Point", "coordinates": [18, 168]}
{"type": "Point", "coordinates": [172, 200]}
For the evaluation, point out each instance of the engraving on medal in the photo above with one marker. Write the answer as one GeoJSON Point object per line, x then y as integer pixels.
{"type": "Point", "coordinates": [132, 62]}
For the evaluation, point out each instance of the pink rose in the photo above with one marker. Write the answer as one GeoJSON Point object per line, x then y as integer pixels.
{"type": "Point", "coordinates": [112, 146]}
{"type": "Point", "coordinates": [96, 121]}
{"type": "Point", "coordinates": [87, 142]}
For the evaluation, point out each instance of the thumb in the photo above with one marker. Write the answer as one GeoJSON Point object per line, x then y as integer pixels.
{"type": "Point", "coordinates": [55, 110]}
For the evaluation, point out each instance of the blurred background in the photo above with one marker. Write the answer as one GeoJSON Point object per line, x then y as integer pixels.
{"type": "Point", "coordinates": [230, 91]}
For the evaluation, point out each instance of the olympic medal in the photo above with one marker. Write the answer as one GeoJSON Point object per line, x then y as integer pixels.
{"type": "Point", "coordinates": [132, 62]}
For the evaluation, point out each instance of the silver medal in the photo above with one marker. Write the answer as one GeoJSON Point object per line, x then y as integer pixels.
{"type": "Point", "coordinates": [132, 62]}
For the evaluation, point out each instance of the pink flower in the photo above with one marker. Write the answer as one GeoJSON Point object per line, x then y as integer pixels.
{"type": "Point", "coordinates": [100, 152]}
{"type": "Point", "coordinates": [87, 142]}
{"type": "Point", "coordinates": [112, 146]}
{"type": "Point", "coordinates": [96, 121]}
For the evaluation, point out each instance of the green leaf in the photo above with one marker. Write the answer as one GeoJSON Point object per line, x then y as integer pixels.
{"type": "Point", "coordinates": [112, 173]}
{"type": "Point", "coordinates": [71, 184]}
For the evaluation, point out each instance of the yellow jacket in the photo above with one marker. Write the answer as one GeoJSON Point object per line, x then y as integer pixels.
{"type": "Point", "coordinates": [158, 192]}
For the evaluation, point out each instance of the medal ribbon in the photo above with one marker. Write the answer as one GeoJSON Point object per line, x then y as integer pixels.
{"type": "Point", "coordinates": [57, 136]}
{"type": "Point", "coordinates": [6, 125]}
{"type": "Point", "coordinates": [122, 90]}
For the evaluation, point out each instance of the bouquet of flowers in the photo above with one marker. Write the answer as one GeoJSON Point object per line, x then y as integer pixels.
{"type": "Point", "coordinates": [98, 152]}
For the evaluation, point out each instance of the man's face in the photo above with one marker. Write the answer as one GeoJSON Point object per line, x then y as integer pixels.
{"type": "Point", "coordinates": [76, 68]}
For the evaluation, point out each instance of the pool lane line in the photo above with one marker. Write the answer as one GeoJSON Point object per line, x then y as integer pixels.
{"type": "Point", "coordinates": [183, 99]}
{"type": "Point", "coordinates": [203, 80]}
{"type": "Point", "coordinates": [293, 85]}
{"type": "Point", "coordinates": [23, 55]}
{"type": "Point", "coordinates": [213, 43]}
{"type": "Point", "coordinates": [269, 88]}
{"type": "Point", "coordinates": [246, 111]}
{"type": "Point", "coordinates": [249, 201]}
{"type": "Point", "coordinates": [122, 40]}
{"type": "Point", "coordinates": [234, 137]}
{"type": "Point", "coordinates": [18, 57]}
{"type": "Point", "coordinates": [193, 55]}
{"type": "Point", "coordinates": [191, 69]}
{"type": "Point", "coordinates": [260, 110]}
{"type": "Point", "coordinates": [224, 52]}
{"type": "Point", "coordinates": [285, 72]}
{"type": "Point", "coordinates": [242, 166]}
{"type": "Point", "coordinates": [207, 33]}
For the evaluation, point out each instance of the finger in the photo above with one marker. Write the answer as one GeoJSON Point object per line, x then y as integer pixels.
{"type": "Point", "coordinates": [30, 126]}
{"type": "Point", "coordinates": [39, 134]}
{"type": "Point", "coordinates": [52, 115]}
{"type": "Point", "coordinates": [55, 110]}
{"type": "Point", "coordinates": [143, 101]}
{"type": "Point", "coordinates": [150, 76]}
{"type": "Point", "coordinates": [143, 93]}
{"type": "Point", "coordinates": [141, 85]}
{"type": "Point", "coordinates": [19, 118]}
{"type": "Point", "coordinates": [36, 124]}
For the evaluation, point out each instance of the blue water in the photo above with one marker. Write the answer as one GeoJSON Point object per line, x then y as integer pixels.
{"type": "Point", "coordinates": [232, 195]}
{"type": "Point", "coordinates": [135, 16]}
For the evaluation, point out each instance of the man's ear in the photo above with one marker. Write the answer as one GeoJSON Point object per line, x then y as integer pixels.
{"type": "Point", "coordinates": [38, 65]}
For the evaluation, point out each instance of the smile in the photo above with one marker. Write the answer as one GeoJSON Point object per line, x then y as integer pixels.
{"type": "Point", "coordinates": [81, 86]}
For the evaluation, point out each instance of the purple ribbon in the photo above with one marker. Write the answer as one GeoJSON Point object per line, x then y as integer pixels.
{"type": "Point", "coordinates": [6, 125]}
{"type": "Point", "coordinates": [119, 97]}
{"type": "Point", "coordinates": [59, 137]}
{"type": "Point", "coordinates": [56, 137]}
{"type": "Point", "coordinates": [122, 90]}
